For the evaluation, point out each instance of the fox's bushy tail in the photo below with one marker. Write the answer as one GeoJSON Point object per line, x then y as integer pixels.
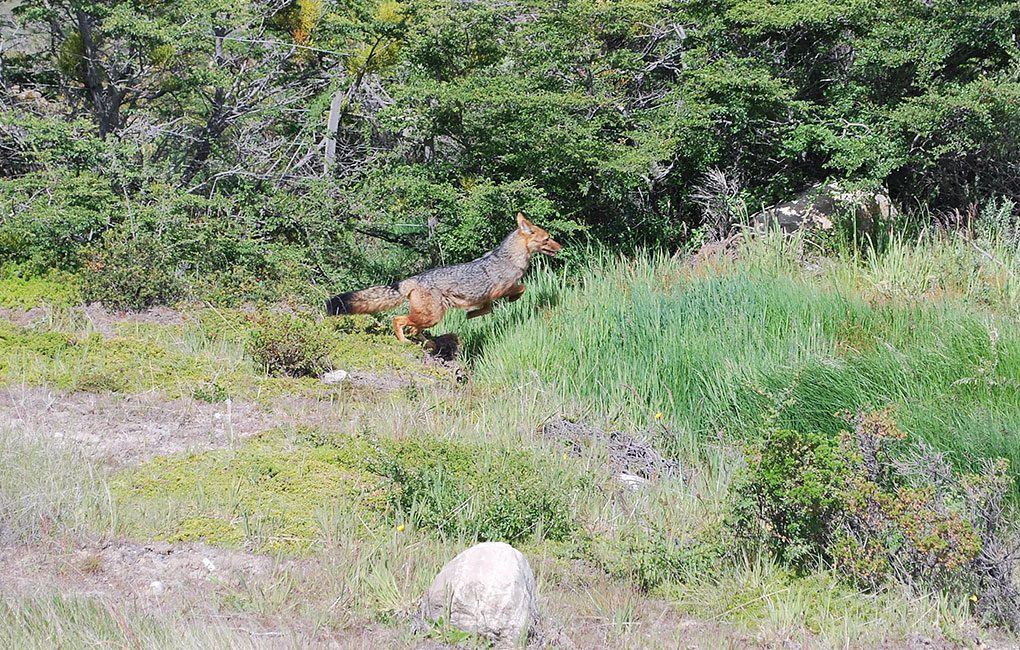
{"type": "Point", "coordinates": [365, 301]}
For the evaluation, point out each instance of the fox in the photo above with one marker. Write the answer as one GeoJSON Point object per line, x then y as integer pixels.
{"type": "Point", "coordinates": [472, 286]}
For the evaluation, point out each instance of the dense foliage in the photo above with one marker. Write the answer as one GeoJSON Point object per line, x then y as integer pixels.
{"type": "Point", "coordinates": [875, 512]}
{"type": "Point", "coordinates": [258, 147]}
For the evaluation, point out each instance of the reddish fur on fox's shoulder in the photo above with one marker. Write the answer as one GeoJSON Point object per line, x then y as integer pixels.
{"type": "Point", "coordinates": [471, 286]}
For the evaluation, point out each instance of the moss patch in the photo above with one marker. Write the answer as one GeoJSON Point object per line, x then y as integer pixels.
{"type": "Point", "coordinates": [291, 490]}
{"type": "Point", "coordinates": [204, 357]}
{"type": "Point", "coordinates": [56, 288]}
{"type": "Point", "coordinates": [19, 340]}
{"type": "Point", "coordinates": [275, 493]}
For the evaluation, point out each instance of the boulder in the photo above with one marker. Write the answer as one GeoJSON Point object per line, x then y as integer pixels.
{"type": "Point", "coordinates": [334, 377]}
{"type": "Point", "coordinates": [489, 590]}
{"type": "Point", "coordinates": [822, 205]}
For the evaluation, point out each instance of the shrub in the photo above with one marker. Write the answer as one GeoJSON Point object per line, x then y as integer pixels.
{"type": "Point", "coordinates": [49, 219]}
{"type": "Point", "coordinates": [132, 271]}
{"type": "Point", "coordinates": [651, 557]}
{"type": "Point", "coordinates": [290, 345]}
{"type": "Point", "coordinates": [477, 494]}
{"type": "Point", "coordinates": [791, 492]}
{"type": "Point", "coordinates": [878, 510]}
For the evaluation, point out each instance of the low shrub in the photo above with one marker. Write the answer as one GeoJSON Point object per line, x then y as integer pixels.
{"type": "Point", "coordinates": [877, 509]}
{"type": "Point", "coordinates": [476, 493]}
{"type": "Point", "coordinates": [650, 557]}
{"type": "Point", "coordinates": [790, 494]}
{"type": "Point", "coordinates": [132, 272]}
{"type": "Point", "coordinates": [21, 288]}
{"type": "Point", "coordinates": [290, 345]}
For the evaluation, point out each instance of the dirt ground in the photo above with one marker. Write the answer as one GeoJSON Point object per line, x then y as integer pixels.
{"type": "Point", "coordinates": [209, 583]}
{"type": "Point", "coordinates": [120, 430]}
{"type": "Point", "coordinates": [205, 582]}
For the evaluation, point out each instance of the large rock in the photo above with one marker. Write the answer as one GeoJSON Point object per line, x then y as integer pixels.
{"type": "Point", "coordinates": [823, 205]}
{"type": "Point", "coordinates": [489, 590]}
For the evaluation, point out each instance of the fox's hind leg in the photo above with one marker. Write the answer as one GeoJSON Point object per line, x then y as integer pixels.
{"type": "Point", "coordinates": [399, 323]}
{"type": "Point", "coordinates": [426, 310]}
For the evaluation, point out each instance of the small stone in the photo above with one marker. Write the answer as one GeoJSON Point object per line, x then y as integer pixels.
{"type": "Point", "coordinates": [157, 587]}
{"type": "Point", "coordinates": [160, 548]}
{"type": "Point", "coordinates": [334, 377]}
{"type": "Point", "coordinates": [209, 564]}
{"type": "Point", "coordinates": [632, 481]}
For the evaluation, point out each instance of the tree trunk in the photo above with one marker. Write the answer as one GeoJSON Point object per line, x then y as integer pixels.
{"type": "Point", "coordinates": [106, 100]}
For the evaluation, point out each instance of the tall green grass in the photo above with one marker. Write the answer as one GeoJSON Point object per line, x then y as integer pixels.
{"type": "Point", "coordinates": [728, 346]}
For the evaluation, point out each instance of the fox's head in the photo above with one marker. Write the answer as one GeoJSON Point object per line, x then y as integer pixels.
{"type": "Point", "coordinates": [536, 239]}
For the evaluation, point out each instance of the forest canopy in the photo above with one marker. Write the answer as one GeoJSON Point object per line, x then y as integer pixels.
{"type": "Point", "coordinates": [257, 148]}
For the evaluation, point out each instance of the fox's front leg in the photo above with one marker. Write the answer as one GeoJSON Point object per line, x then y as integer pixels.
{"type": "Point", "coordinates": [399, 323]}
{"type": "Point", "coordinates": [515, 292]}
{"type": "Point", "coordinates": [480, 311]}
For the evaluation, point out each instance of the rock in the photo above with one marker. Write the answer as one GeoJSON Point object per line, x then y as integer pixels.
{"type": "Point", "coordinates": [822, 205]}
{"type": "Point", "coordinates": [156, 587]}
{"type": "Point", "coordinates": [489, 590]}
{"type": "Point", "coordinates": [334, 377]}
{"type": "Point", "coordinates": [632, 481]}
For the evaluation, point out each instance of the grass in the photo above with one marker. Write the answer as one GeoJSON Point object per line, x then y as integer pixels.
{"type": "Point", "coordinates": [205, 357]}
{"type": "Point", "coordinates": [374, 504]}
{"type": "Point", "coordinates": [722, 348]}
{"type": "Point", "coordinates": [47, 490]}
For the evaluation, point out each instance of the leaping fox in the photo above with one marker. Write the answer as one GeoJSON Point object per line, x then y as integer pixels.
{"type": "Point", "coordinates": [471, 286]}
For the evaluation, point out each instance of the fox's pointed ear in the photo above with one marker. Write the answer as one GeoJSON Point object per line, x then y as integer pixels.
{"type": "Point", "coordinates": [523, 223]}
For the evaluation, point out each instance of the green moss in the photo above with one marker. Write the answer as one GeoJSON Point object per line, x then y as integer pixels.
{"type": "Point", "coordinates": [361, 351]}
{"type": "Point", "coordinates": [212, 530]}
{"type": "Point", "coordinates": [202, 357]}
{"type": "Point", "coordinates": [55, 288]}
{"type": "Point", "coordinates": [275, 493]}
{"type": "Point", "coordinates": [290, 490]}
{"type": "Point", "coordinates": [19, 340]}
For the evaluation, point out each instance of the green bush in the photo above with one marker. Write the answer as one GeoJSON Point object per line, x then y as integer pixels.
{"type": "Point", "coordinates": [290, 345]}
{"type": "Point", "coordinates": [475, 493]}
{"type": "Point", "coordinates": [132, 271]}
{"type": "Point", "coordinates": [52, 218]}
{"type": "Point", "coordinates": [790, 496]}
{"type": "Point", "coordinates": [877, 510]}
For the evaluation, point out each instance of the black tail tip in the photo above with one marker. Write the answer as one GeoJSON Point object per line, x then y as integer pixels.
{"type": "Point", "coordinates": [338, 305]}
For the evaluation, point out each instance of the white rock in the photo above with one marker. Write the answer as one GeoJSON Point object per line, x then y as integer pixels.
{"type": "Point", "coordinates": [157, 587]}
{"type": "Point", "coordinates": [209, 564]}
{"type": "Point", "coordinates": [334, 376]}
{"type": "Point", "coordinates": [632, 481]}
{"type": "Point", "coordinates": [489, 590]}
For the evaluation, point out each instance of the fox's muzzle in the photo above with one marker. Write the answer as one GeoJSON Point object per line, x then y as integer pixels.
{"type": "Point", "coordinates": [551, 248]}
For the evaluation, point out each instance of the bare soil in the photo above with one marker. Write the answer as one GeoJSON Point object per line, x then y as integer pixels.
{"type": "Point", "coordinates": [209, 583]}
{"type": "Point", "coordinates": [102, 319]}
{"type": "Point", "coordinates": [121, 430]}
